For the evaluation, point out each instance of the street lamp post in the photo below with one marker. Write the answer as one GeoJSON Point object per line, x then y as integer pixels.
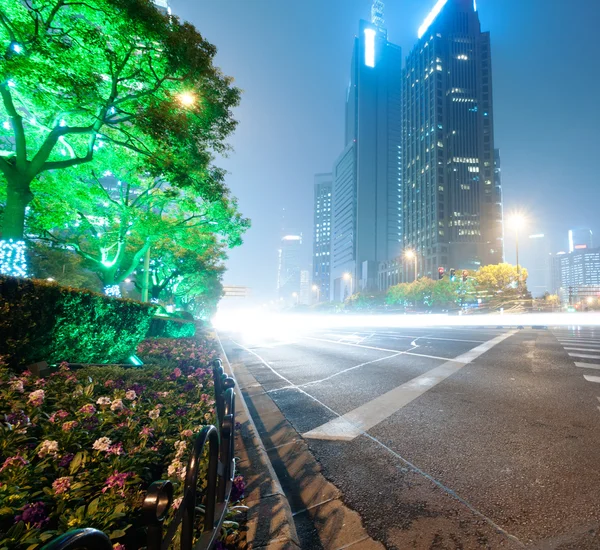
{"type": "Point", "coordinates": [517, 221]}
{"type": "Point", "coordinates": [409, 255]}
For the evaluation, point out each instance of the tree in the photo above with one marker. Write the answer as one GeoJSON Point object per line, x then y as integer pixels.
{"type": "Point", "coordinates": [112, 221]}
{"type": "Point", "coordinates": [78, 78]}
{"type": "Point", "coordinates": [499, 278]}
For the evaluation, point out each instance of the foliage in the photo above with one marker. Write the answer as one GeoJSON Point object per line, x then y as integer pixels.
{"type": "Point", "coordinates": [40, 320]}
{"type": "Point", "coordinates": [112, 221]}
{"type": "Point", "coordinates": [163, 327]}
{"type": "Point", "coordinates": [496, 278]}
{"type": "Point", "coordinates": [79, 448]}
{"type": "Point", "coordinates": [62, 265]}
{"type": "Point", "coordinates": [112, 76]}
{"type": "Point", "coordinates": [361, 301]}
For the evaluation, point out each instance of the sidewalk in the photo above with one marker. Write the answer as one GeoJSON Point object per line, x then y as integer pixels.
{"type": "Point", "coordinates": [296, 507]}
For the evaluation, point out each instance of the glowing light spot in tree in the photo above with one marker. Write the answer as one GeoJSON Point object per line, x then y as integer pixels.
{"type": "Point", "coordinates": [12, 258]}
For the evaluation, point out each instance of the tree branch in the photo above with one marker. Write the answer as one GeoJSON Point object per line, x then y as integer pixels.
{"type": "Point", "coordinates": [17, 124]}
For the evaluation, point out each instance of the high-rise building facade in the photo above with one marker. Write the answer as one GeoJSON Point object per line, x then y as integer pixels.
{"type": "Point", "coordinates": [576, 270]}
{"type": "Point", "coordinates": [322, 234]}
{"type": "Point", "coordinates": [289, 267]}
{"type": "Point", "coordinates": [366, 214]}
{"type": "Point", "coordinates": [452, 200]}
{"type": "Point", "coordinates": [580, 239]}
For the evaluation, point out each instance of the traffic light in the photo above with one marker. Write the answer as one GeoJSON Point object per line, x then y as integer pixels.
{"type": "Point", "coordinates": [453, 275]}
{"type": "Point", "coordinates": [465, 275]}
{"type": "Point", "coordinates": [440, 273]}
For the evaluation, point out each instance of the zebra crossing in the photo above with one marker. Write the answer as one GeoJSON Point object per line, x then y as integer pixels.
{"type": "Point", "coordinates": [583, 346]}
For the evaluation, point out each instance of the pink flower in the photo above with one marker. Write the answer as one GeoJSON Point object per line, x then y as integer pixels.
{"type": "Point", "coordinates": [146, 431]}
{"type": "Point", "coordinates": [68, 426]}
{"type": "Point", "coordinates": [118, 546]}
{"type": "Point", "coordinates": [61, 485]}
{"type": "Point", "coordinates": [116, 480]}
{"type": "Point", "coordinates": [177, 372]}
{"type": "Point", "coordinates": [154, 414]}
{"type": "Point", "coordinates": [58, 415]}
{"type": "Point", "coordinates": [13, 461]}
{"type": "Point", "coordinates": [103, 401]}
{"type": "Point", "coordinates": [36, 398]}
{"type": "Point", "coordinates": [131, 395]}
{"type": "Point", "coordinates": [187, 433]}
{"type": "Point", "coordinates": [88, 409]}
{"type": "Point", "coordinates": [109, 384]}
{"type": "Point", "coordinates": [116, 449]}
{"type": "Point", "coordinates": [177, 503]}
{"type": "Point", "coordinates": [16, 385]}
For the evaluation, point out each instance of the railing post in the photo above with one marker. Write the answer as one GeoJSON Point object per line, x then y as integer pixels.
{"type": "Point", "coordinates": [155, 507]}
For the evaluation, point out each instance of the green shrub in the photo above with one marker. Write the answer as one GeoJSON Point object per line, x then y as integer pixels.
{"type": "Point", "coordinates": [42, 321]}
{"type": "Point", "coordinates": [165, 327]}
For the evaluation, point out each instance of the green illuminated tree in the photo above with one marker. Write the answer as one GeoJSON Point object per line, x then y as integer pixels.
{"type": "Point", "coordinates": [499, 278]}
{"type": "Point", "coordinates": [112, 221]}
{"type": "Point", "coordinates": [79, 78]}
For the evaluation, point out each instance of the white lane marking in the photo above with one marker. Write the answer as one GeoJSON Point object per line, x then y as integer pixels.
{"type": "Point", "coordinates": [437, 357]}
{"type": "Point", "coordinates": [592, 378]}
{"type": "Point", "coordinates": [588, 366]}
{"type": "Point", "coordinates": [393, 336]}
{"type": "Point", "coordinates": [582, 349]}
{"type": "Point", "coordinates": [584, 356]}
{"type": "Point", "coordinates": [363, 418]}
{"type": "Point", "coordinates": [578, 341]}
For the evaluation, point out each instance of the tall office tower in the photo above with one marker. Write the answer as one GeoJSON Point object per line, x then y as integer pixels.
{"type": "Point", "coordinates": [322, 235]}
{"type": "Point", "coordinates": [163, 6]}
{"type": "Point", "coordinates": [288, 268]}
{"type": "Point", "coordinates": [366, 215]}
{"type": "Point", "coordinates": [580, 239]}
{"type": "Point", "coordinates": [452, 207]}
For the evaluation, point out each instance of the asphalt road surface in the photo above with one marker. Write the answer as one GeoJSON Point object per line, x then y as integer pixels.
{"type": "Point", "coordinates": [449, 437]}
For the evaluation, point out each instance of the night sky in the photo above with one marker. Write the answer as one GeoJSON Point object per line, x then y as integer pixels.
{"type": "Point", "coordinates": [291, 58]}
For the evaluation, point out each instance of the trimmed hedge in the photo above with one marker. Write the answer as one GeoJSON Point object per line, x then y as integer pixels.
{"type": "Point", "coordinates": [165, 327]}
{"type": "Point", "coordinates": [43, 321]}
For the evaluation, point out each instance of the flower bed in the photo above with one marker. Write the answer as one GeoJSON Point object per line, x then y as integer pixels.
{"type": "Point", "coordinates": [79, 448]}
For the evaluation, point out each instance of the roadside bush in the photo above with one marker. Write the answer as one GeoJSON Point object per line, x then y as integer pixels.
{"type": "Point", "coordinates": [43, 321]}
{"type": "Point", "coordinates": [164, 327]}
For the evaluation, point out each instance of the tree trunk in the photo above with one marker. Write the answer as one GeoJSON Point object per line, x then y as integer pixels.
{"type": "Point", "coordinates": [18, 196]}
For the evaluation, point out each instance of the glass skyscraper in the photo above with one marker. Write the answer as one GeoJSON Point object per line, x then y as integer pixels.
{"type": "Point", "coordinates": [366, 215]}
{"type": "Point", "coordinates": [322, 234]}
{"type": "Point", "coordinates": [452, 203]}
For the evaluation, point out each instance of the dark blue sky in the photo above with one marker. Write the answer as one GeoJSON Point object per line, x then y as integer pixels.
{"type": "Point", "coordinates": [292, 59]}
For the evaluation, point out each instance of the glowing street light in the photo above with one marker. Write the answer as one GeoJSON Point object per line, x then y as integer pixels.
{"type": "Point", "coordinates": [187, 99]}
{"type": "Point", "coordinates": [295, 296]}
{"type": "Point", "coordinates": [517, 221]}
{"type": "Point", "coordinates": [348, 277]}
{"type": "Point", "coordinates": [409, 255]}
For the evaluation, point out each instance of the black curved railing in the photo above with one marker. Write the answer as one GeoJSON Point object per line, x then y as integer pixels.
{"type": "Point", "coordinates": [159, 496]}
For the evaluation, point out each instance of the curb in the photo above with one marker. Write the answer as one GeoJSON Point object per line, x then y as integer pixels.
{"type": "Point", "coordinates": [269, 521]}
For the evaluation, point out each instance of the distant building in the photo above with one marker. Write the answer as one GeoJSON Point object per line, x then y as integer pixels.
{"type": "Point", "coordinates": [575, 271]}
{"type": "Point", "coordinates": [304, 296]}
{"type": "Point", "coordinates": [389, 274]}
{"type": "Point", "coordinates": [322, 234]}
{"type": "Point", "coordinates": [288, 272]}
{"type": "Point", "coordinates": [452, 200]}
{"type": "Point", "coordinates": [580, 239]}
{"type": "Point", "coordinates": [163, 6]}
{"type": "Point", "coordinates": [366, 223]}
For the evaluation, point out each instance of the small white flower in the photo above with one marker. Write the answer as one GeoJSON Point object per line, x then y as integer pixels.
{"type": "Point", "coordinates": [131, 395]}
{"type": "Point", "coordinates": [102, 444]}
{"type": "Point", "coordinates": [117, 405]}
{"type": "Point", "coordinates": [103, 401]}
{"type": "Point", "coordinates": [177, 503]}
{"type": "Point", "coordinates": [48, 448]}
{"type": "Point", "coordinates": [174, 467]}
{"type": "Point", "coordinates": [180, 447]}
{"type": "Point", "coordinates": [154, 414]}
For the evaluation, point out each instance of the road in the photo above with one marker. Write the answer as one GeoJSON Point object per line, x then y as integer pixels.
{"type": "Point", "coordinates": [449, 437]}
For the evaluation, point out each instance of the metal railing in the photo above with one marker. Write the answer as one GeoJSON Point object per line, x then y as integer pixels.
{"type": "Point", "coordinates": [159, 496]}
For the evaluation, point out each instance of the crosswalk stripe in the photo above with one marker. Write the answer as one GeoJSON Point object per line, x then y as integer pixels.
{"type": "Point", "coordinates": [592, 378]}
{"type": "Point", "coordinates": [582, 349]}
{"type": "Point", "coordinates": [579, 340]}
{"type": "Point", "coordinates": [588, 366]}
{"type": "Point", "coordinates": [363, 418]}
{"type": "Point", "coordinates": [584, 356]}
